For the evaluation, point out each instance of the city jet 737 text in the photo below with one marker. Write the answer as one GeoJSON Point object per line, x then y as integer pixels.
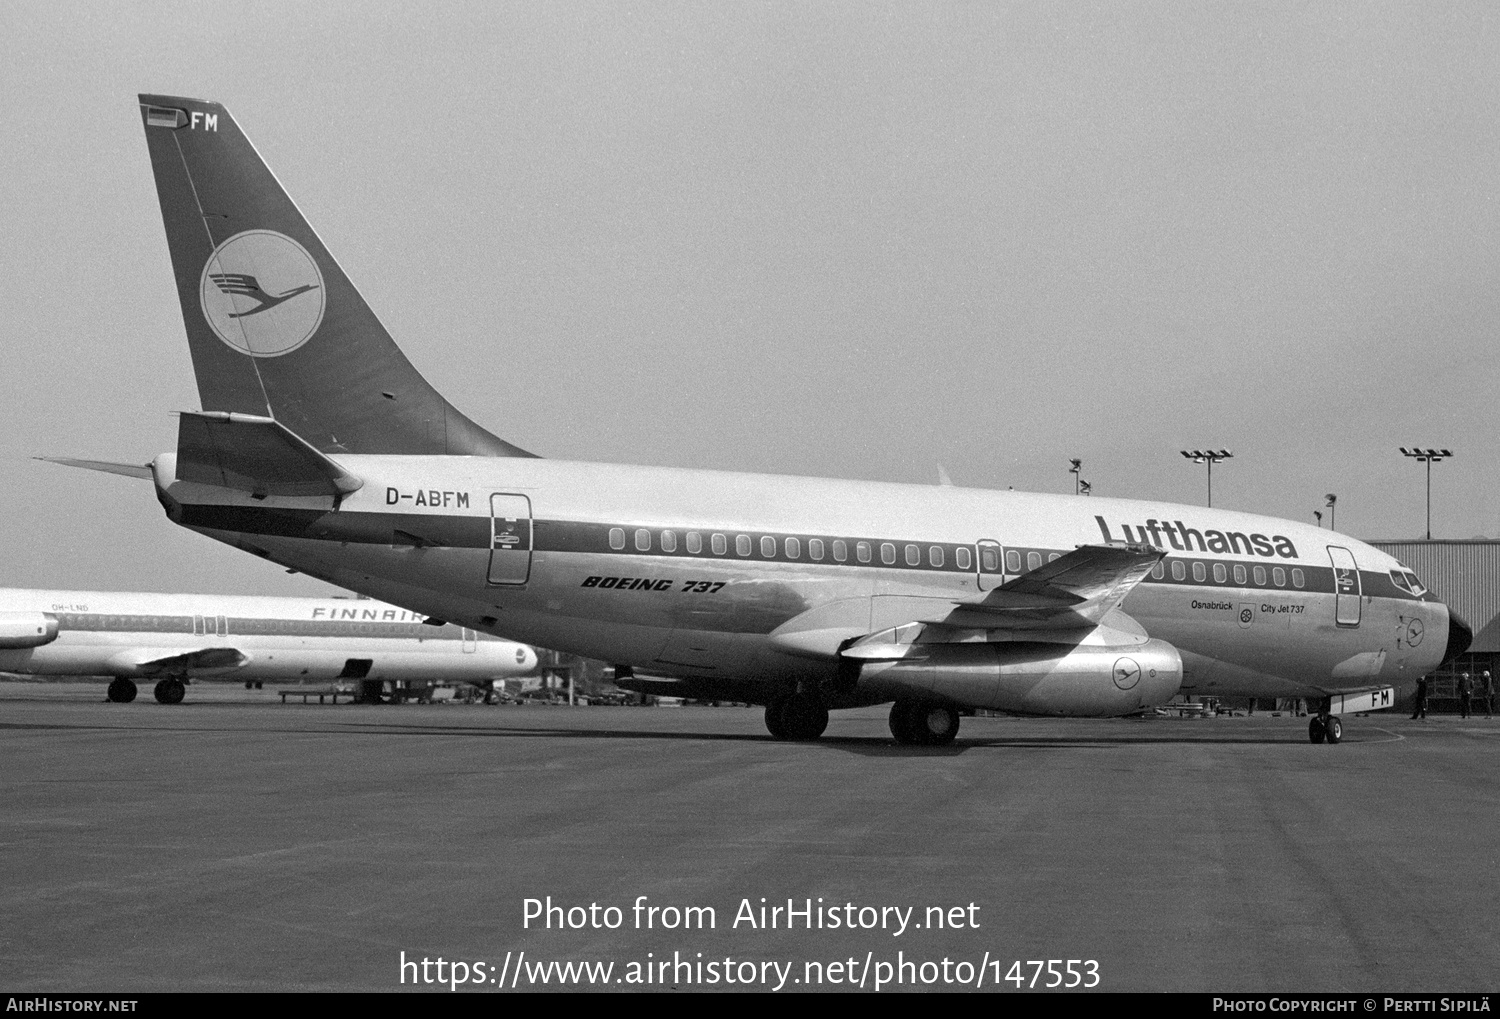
{"type": "Point", "coordinates": [320, 447]}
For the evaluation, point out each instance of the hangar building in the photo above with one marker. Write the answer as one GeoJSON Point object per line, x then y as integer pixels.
{"type": "Point", "coordinates": [1466, 575]}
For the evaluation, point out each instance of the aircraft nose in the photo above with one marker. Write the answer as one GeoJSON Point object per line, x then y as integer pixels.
{"type": "Point", "coordinates": [1460, 636]}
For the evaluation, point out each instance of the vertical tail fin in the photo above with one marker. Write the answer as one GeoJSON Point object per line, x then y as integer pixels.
{"type": "Point", "coordinates": [275, 327]}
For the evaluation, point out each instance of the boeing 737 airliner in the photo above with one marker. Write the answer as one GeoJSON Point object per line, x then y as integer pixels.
{"type": "Point", "coordinates": [177, 638]}
{"type": "Point", "coordinates": [320, 447]}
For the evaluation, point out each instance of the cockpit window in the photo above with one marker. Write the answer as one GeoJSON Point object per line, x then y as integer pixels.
{"type": "Point", "coordinates": [1399, 579]}
{"type": "Point", "coordinates": [1416, 585]}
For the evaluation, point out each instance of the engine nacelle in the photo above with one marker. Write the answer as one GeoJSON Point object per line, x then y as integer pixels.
{"type": "Point", "coordinates": [26, 629]}
{"type": "Point", "coordinates": [1032, 679]}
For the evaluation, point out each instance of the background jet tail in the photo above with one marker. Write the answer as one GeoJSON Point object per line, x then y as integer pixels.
{"type": "Point", "coordinates": [275, 327]}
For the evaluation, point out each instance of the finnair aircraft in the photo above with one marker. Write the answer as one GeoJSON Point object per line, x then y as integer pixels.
{"type": "Point", "coordinates": [177, 638]}
{"type": "Point", "coordinates": [320, 447]}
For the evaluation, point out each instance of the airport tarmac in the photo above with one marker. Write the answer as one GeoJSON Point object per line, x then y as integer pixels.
{"type": "Point", "coordinates": [232, 842]}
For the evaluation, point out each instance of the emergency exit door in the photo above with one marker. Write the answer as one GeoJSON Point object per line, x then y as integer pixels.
{"type": "Point", "coordinates": [989, 563]}
{"type": "Point", "coordinates": [1346, 589]}
{"type": "Point", "coordinates": [510, 539]}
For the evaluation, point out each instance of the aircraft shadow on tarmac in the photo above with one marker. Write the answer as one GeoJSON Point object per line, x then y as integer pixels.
{"type": "Point", "coordinates": [870, 746]}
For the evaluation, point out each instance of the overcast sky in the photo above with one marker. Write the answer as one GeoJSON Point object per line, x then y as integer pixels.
{"type": "Point", "coordinates": [850, 240]}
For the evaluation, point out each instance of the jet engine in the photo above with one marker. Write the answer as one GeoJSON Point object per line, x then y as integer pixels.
{"type": "Point", "coordinates": [26, 629]}
{"type": "Point", "coordinates": [1030, 678]}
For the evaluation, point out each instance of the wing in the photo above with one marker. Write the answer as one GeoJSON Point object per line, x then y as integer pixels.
{"type": "Point", "coordinates": [147, 662]}
{"type": "Point", "coordinates": [1062, 601]}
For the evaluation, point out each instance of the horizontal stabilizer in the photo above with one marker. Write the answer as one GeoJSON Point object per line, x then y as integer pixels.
{"type": "Point", "coordinates": [257, 455]}
{"type": "Point", "coordinates": [142, 471]}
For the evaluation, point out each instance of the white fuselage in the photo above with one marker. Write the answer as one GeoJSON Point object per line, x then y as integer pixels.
{"type": "Point", "coordinates": [690, 574]}
{"type": "Point", "coordinates": [130, 635]}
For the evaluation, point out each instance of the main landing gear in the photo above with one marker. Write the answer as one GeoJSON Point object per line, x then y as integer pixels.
{"type": "Point", "coordinates": [121, 690]}
{"type": "Point", "coordinates": [170, 691]}
{"type": "Point", "coordinates": [802, 716]}
{"type": "Point", "coordinates": [923, 723]}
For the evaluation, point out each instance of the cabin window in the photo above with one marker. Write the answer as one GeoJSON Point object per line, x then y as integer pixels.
{"type": "Point", "coordinates": [1279, 576]}
{"type": "Point", "coordinates": [768, 547]}
{"type": "Point", "coordinates": [1220, 573]}
{"type": "Point", "coordinates": [694, 542]}
{"type": "Point", "coordinates": [742, 544]}
{"type": "Point", "coordinates": [719, 543]}
{"type": "Point", "coordinates": [1179, 571]}
{"type": "Point", "coordinates": [1260, 576]}
{"type": "Point", "coordinates": [935, 557]}
{"type": "Point", "coordinates": [862, 551]}
{"type": "Point", "coordinates": [887, 553]}
{"type": "Point", "coordinates": [913, 556]}
{"type": "Point", "coordinates": [1239, 574]}
{"type": "Point", "coordinates": [1013, 561]}
{"type": "Point", "coordinates": [1200, 574]}
{"type": "Point", "coordinates": [642, 540]}
{"type": "Point", "coordinates": [962, 559]}
{"type": "Point", "coordinates": [793, 548]}
{"type": "Point", "coordinates": [1158, 571]}
{"type": "Point", "coordinates": [1033, 560]}
{"type": "Point", "coordinates": [1054, 557]}
{"type": "Point", "coordinates": [1297, 579]}
{"type": "Point", "coordinates": [840, 551]}
{"type": "Point", "coordinates": [815, 549]}
{"type": "Point", "coordinates": [617, 538]}
{"type": "Point", "coordinates": [198, 620]}
{"type": "Point", "coordinates": [989, 559]}
{"type": "Point", "coordinates": [669, 541]}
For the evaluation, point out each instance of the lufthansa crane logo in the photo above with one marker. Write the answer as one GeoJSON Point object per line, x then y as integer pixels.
{"type": "Point", "coordinates": [262, 293]}
{"type": "Point", "coordinates": [1127, 673]}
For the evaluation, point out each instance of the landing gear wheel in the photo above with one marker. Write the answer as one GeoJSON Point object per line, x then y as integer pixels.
{"type": "Point", "coordinates": [170, 691]}
{"type": "Point", "coordinates": [915, 723]}
{"type": "Point", "coordinates": [121, 691]}
{"type": "Point", "coordinates": [775, 722]}
{"type": "Point", "coordinates": [903, 723]}
{"type": "Point", "coordinates": [1315, 730]}
{"type": "Point", "coordinates": [1333, 729]}
{"type": "Point", "coordinates": [938, 724]}
{"type": "Point", "coordinates": [803, 717]}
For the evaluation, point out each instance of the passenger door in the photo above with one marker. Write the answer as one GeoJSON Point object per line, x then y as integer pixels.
{"type": "Point", "coordinates": [510, 539]}
{"type": "Point", "coordinates": [1346, 588]}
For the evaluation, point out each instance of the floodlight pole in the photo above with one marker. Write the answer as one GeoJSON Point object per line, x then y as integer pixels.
{"type": "Point", "coordinates": [1210, 457]}
{"type": "Point", "coordinates": [1429, 457]}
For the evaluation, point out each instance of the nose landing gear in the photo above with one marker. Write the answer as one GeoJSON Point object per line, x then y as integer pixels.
{"type": "Point", "coordinates": [1324, 727]}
